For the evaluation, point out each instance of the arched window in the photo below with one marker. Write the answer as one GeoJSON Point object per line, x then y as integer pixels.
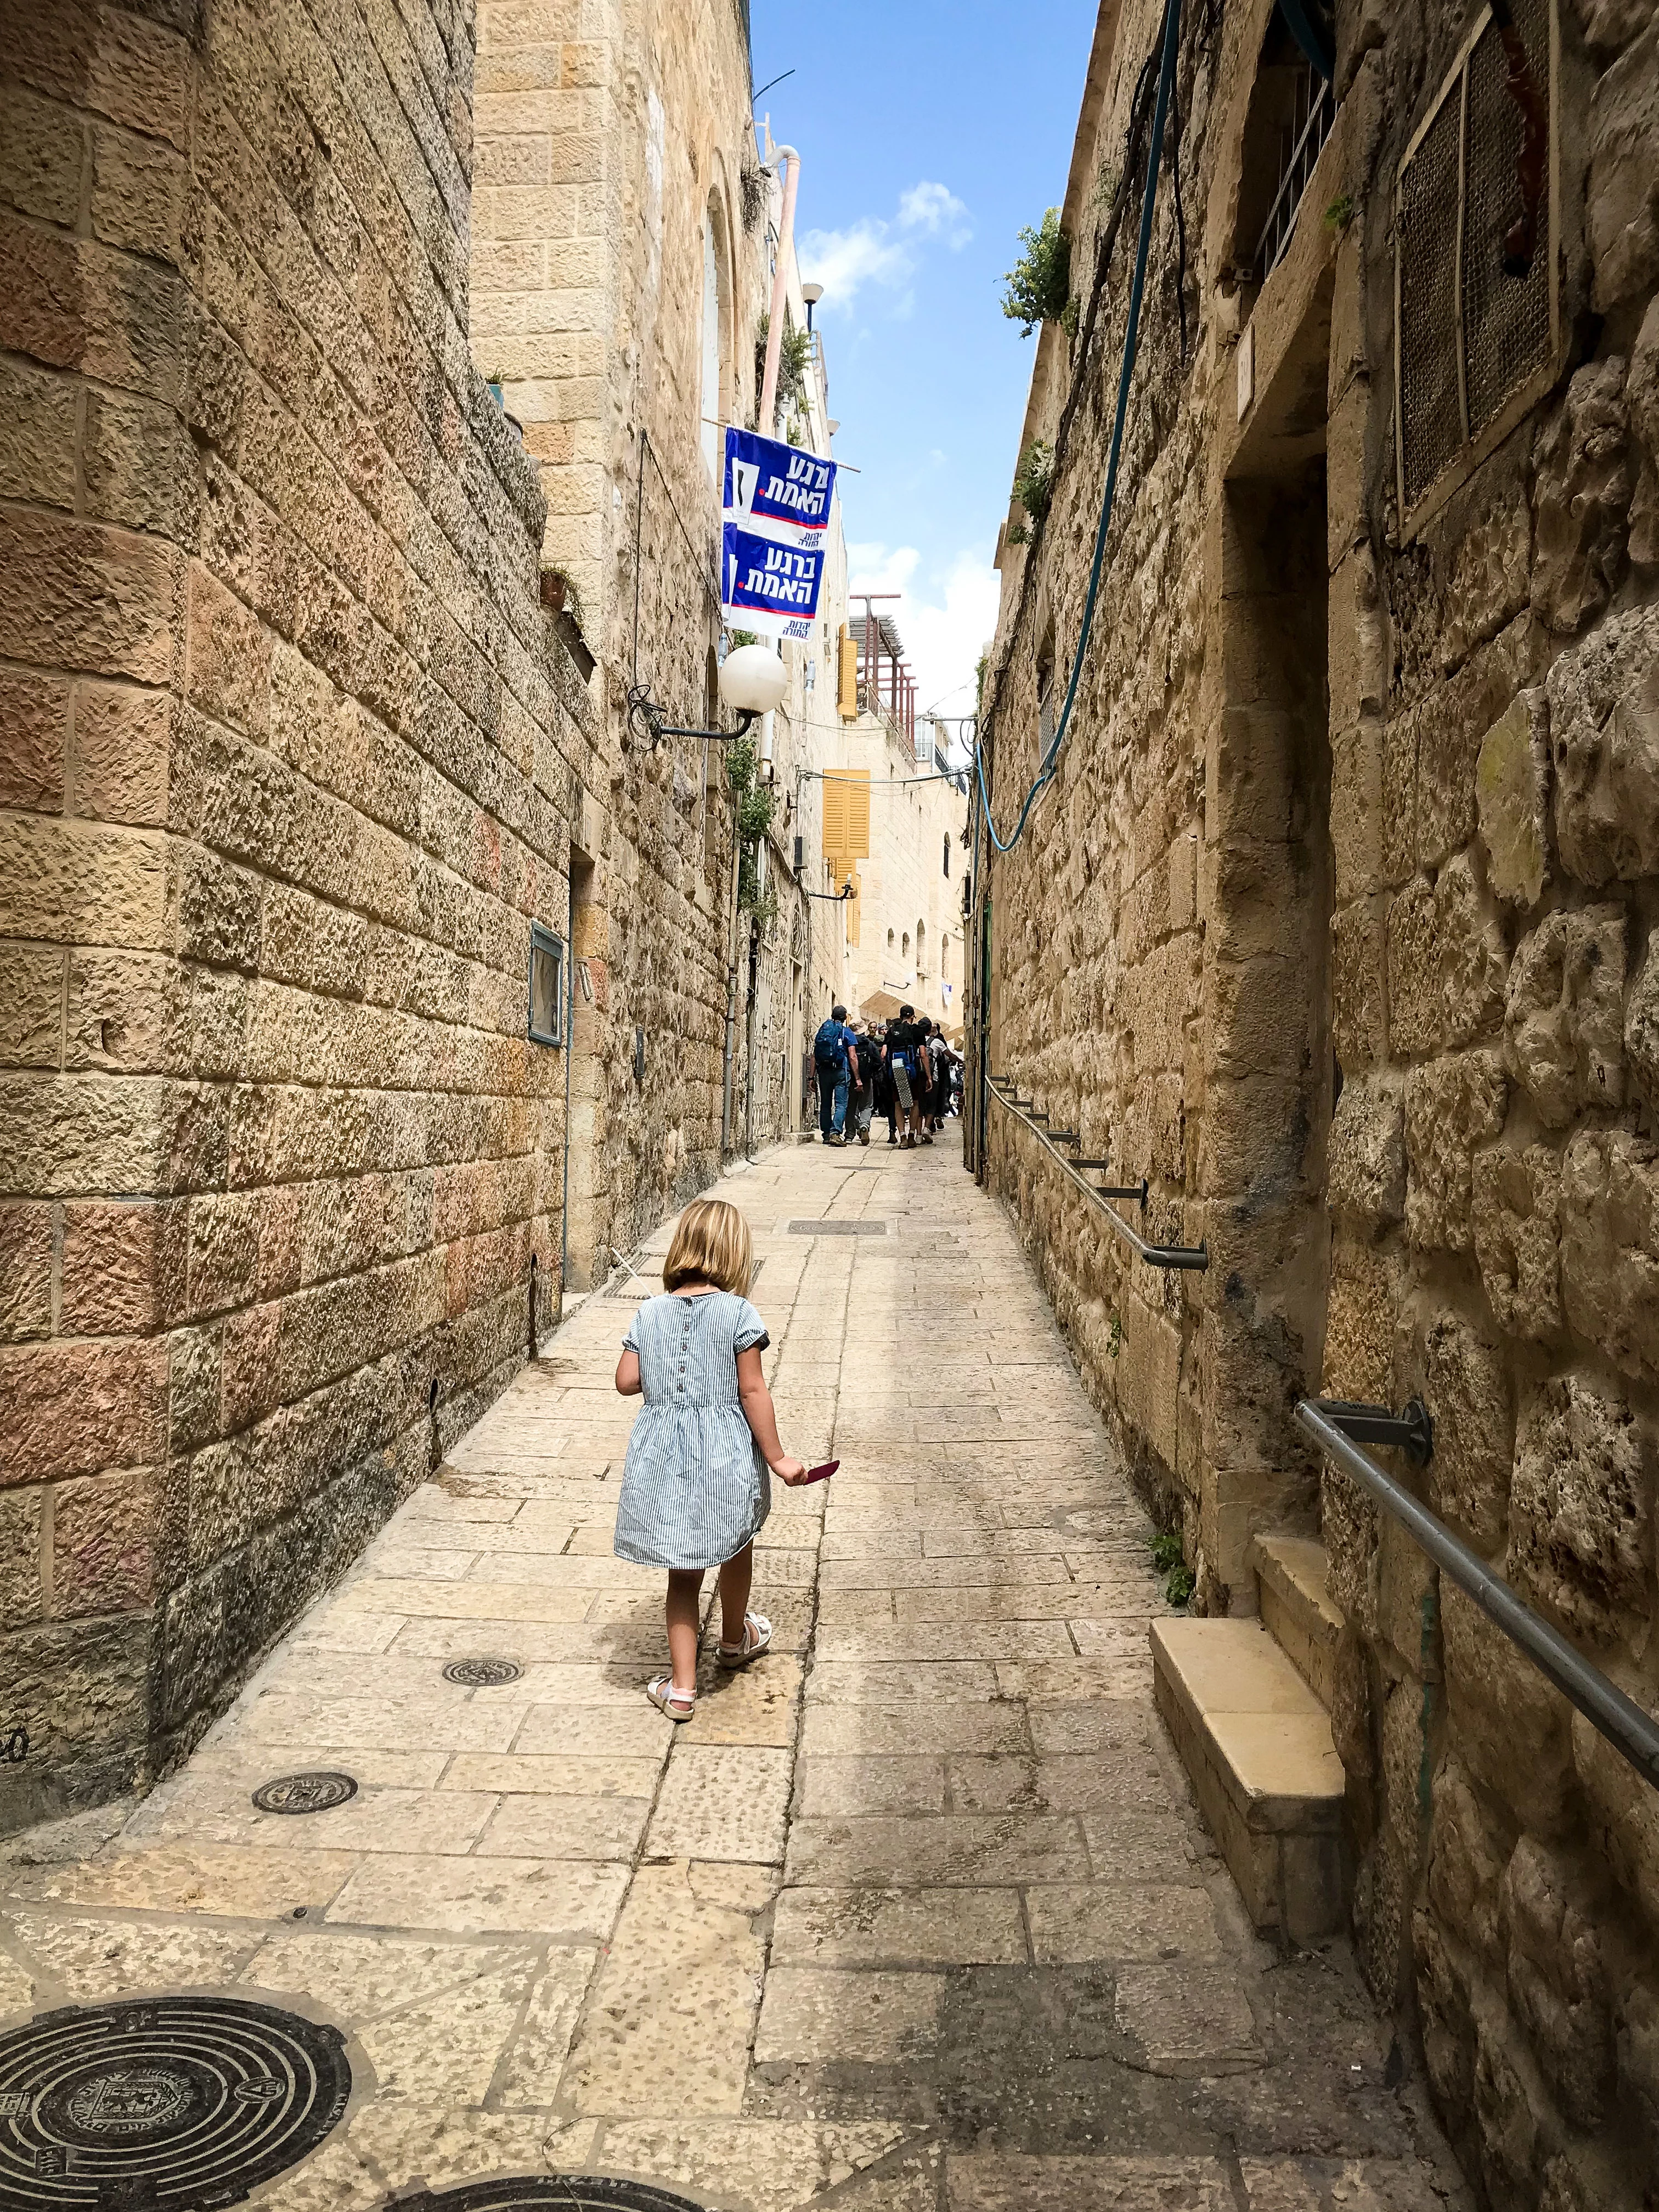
{"type": "Point", "coordinates": [921, 948]}
{"type": "Point", "coordinates": [889, 940]}
{"type": "Point", "coordinates": [716, 298]}
{"type": "Point", "coordinates": [904, 947]}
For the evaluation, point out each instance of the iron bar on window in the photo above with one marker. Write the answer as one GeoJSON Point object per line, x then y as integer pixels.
{"type": "Point", "coordinates": [1310, 128]}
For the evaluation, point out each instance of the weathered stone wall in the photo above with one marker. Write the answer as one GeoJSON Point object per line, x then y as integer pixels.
{"type": "Point", "coordinates": [1494, 1191]}
{"type": "Point", "coordinates": [613, 141]}
{"type": "Point", "coordinates": [1096, 949]}
{"type": "Point", "coordinates": [283, 782]}
{"type": "Point", "coordinates": [904, 883]}
{"type": "Point", "coordinates": [1419, 1141]}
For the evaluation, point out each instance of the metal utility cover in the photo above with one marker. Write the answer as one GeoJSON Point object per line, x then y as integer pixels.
{"type": "Point", "coordinates": [179, 2101]}
{"type": "Point", "coordinates": [835, 1229]}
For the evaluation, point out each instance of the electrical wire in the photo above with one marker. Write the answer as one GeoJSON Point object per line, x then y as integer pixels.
{"type": "Point", "coordinates": [1046, 767]}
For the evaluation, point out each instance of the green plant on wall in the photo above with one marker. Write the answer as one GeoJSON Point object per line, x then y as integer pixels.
{"type": "Point", "coordinates": [1169, 1559]}
{"type": "Point", "coordinates": [793, 356]}
{"type": "Point", "coordinates": [1034, 479]}
{"type": "Point", "coordinates": [1039, 284]}
{"type": "Point", "coordinates": [752, 810]}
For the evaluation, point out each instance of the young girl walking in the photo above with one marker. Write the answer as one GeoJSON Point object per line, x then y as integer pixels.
{"type": "Point", "coordinates": [695, 1488]}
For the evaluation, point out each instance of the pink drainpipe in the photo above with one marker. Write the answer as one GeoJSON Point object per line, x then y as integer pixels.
{"type": "Point", "coordinates": [768, 402]}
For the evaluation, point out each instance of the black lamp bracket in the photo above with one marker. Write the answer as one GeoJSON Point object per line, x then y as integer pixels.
{"type": "Point", "coordinates": [648, 720]}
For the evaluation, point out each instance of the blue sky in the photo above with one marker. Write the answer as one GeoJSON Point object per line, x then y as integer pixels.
{"type": "Point", "coordinates": [928, 134]}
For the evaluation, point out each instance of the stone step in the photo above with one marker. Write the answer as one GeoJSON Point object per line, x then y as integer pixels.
{"type": "Point", "coordinates": [1297, 1608]}
{"type": "Point", "coordinates": [1257, 1745]}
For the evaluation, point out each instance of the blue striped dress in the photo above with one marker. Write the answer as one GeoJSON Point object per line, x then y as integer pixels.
{"type": "Point", "coordinates": [695, 1488]}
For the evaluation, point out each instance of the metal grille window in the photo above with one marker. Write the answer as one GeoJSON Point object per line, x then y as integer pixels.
{"type": "Point", "coordinates": [546, 986]}
{"type": "Point", "coordinates": [1477, 309]}
{"type": "Point", "coordinates": [1309, 127]}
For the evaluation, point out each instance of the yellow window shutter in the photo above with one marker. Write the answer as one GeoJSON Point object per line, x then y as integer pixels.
{"type": "Point", "coordinates": [847, 699]}
{"type": "Point", "coordinates": [853, 907]}
{"type": "Point", "coordinates": [835, 817]}
{"type": "Point", "coordinates": [857, 789]}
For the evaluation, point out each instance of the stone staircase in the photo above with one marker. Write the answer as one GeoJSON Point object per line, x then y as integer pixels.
{"type": "Point", "coordinates": [1248, 1703]}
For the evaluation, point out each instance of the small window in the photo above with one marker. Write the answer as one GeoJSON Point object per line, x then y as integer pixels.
{"type": "Point", "coordinates": [1477, 301]}
{"type": "Point", "coordinates": [546, 985]}
{"type": "Point", "coordinates": [947, 852]}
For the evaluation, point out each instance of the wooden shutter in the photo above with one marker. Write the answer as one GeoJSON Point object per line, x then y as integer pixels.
{"type": "Point", "coordinates": [856, 787]}
{"type": "Point", "coordinates": [847, 693]}
{"type": "Point", "coordinates": [835, 817]}
{"type": "Point", "coordinates": [854, 906]}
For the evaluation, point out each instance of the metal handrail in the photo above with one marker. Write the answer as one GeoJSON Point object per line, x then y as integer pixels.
{"type": "Point", "coordinates": [1193, 1256]}
{"type": "Point", "coordinates": [1633, 1732]}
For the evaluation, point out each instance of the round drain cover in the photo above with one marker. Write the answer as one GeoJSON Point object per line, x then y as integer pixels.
{"type": "Point", "coordinates": [482, 1674]}
{"type": "Point", "coordinates": [305, 1793]}
{"type": "Point", "coordinates": [186, 2101]}
{"type": "Point", "coordinates": [572, 2193]}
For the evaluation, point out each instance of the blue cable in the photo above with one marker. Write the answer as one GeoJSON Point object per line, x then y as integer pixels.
{"type": "Point", "coordinates": [1046, 769]}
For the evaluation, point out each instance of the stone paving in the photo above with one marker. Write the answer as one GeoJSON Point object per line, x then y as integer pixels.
{"type": "Point", "coordinates": [916, 1914]}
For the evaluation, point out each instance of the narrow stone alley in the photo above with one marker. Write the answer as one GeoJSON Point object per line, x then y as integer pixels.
{"type": "Point", "coordinates": [914, 1914]}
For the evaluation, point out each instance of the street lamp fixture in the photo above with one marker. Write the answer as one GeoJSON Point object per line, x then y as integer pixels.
{"type": "Point", "coordinates": [811, 293]}
{"type": "Point", "coordinates": [753, 680]}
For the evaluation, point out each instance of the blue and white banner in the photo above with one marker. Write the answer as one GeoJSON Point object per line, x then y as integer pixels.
{"type": "Point", "coordinates": [770, 588]}
{"type": "Point", "coordinates": [777, 490]}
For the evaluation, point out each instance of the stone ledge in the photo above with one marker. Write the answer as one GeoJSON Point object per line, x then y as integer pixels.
{"type": "Point", "coordinates": [1297, 1608]}
{"type": "Point", "coordinates": [1257, 1745]}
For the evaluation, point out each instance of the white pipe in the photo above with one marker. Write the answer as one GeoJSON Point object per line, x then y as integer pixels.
{"type": "Point", "coordinates": [769, 401]}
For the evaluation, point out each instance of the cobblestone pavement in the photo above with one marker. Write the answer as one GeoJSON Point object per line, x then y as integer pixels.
{"type": "Point", "coordinates": [916, 1914]}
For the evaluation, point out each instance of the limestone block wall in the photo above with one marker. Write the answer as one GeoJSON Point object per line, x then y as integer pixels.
{"type": "Point", "coordinates": [283, 782]}
{"type": "Point", "coordinates": [911, 930]}
{"type": "Point", "coordinates": [1096, 950]}
{"type": "Point", "coordinates": [613, 140]}
{"type": "Point", "coordinates": [1494, 1190]}
{"type": "Point", "coordinates": [1338, 923]}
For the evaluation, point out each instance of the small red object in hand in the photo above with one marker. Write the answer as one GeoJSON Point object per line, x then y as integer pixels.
{"type": "Point", "coordinates": [823, 1474]}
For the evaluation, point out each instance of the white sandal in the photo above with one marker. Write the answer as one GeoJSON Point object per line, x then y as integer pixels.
{"type": "Point", "coordinates": [678, 1705]}
{"type": "Point", "coordinates": [757, 1635]}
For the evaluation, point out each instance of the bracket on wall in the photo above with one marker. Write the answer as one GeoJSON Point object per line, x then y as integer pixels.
{"type": "Point", "coordinates": [1411, 1431]}
{"type": "Point", "coordinates": [1192, 1257]}
{"type": "Point", "coordinates": [647, 719]}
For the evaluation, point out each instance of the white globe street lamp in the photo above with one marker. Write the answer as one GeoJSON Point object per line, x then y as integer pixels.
{"type": "Point", "coordinates": [753, 680]}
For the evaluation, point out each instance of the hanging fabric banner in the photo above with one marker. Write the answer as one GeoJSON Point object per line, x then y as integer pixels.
{"type": "Point", "coordinates": [775, 504]}
{"type": "Point", "coordinates": [776, 490]}
{"type": "Point", "coordinates": [769, 588]}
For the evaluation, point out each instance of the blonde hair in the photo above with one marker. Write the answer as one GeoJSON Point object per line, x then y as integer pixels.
{"type": "Point", "coordinates": [711, 1244]}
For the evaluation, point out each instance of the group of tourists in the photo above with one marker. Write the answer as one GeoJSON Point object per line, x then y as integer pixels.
{"type": "Point", "coordinates": [903, 1069]}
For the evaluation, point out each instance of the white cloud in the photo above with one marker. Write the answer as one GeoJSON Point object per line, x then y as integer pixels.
{"type": "Point", "coordinates": [944, 623]}
{"type": "Point", "coordinates": [937, 211]}
{"type": "Point", "coordinates": [874, 250]}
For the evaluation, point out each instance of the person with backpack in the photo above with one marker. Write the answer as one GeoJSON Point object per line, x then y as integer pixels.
{"type": "Point", "coordinates": [834, 1062]}
{"type": "Point", "coordinates": [903, 1051]}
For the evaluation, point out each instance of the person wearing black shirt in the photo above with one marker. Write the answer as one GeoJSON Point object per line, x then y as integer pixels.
{"type": "Point", "coordinates": [909, 1064]}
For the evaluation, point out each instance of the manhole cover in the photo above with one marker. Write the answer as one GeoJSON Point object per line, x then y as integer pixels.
{"type": "Point", "coordinates": [575, 2192]}
{"type": "Point", "coordinates": [482, 1674]}
{"type": "Point", "coordinates": [188, 2101]}
{"type": "Point", "coordinates": [837, 1229]}
{"type": "Point", "coordinates": [305, 1793]}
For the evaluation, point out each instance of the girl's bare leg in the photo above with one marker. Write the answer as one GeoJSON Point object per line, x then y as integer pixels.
{"type": "Point", "coordinates": [737, 1578]}
{"type": "Point", "coordinates": [685, 1596]}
